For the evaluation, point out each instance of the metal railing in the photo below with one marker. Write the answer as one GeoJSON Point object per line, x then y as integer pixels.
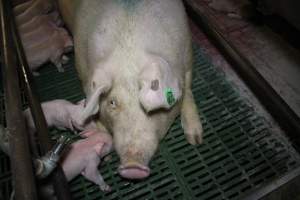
{"type": "Point", "coordinates": [24, 181]}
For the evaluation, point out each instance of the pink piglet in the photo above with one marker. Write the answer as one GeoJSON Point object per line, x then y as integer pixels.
{"type": "Point", "coordinates": [85, 156]}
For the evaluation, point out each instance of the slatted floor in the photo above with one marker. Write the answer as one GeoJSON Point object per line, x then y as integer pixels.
{"type": "Point", "coordinates": [239, 153]}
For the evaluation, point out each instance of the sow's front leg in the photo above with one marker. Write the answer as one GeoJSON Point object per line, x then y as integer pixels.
{"type": "Point", "coordinates": [189, 115]}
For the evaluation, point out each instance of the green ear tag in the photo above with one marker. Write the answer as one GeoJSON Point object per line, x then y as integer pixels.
{"type": "Point", "coordinates": [169, 96]}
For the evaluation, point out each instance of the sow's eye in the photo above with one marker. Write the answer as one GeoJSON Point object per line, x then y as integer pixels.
{"type": "Point", "coordinates": [113, 103]}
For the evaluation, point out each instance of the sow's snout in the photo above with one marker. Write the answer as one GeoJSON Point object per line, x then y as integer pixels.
{"type": "Point", "coordinates": [134, 170]}
{"type": "Point", "coordinates": [134, 163]}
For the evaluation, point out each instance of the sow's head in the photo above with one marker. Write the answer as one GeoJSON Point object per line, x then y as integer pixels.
{"type": "Point", "coordinates": [137, 108]}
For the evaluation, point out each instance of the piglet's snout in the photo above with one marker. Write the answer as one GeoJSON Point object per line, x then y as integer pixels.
{"type": "Point", "coordinates": [134, 170]}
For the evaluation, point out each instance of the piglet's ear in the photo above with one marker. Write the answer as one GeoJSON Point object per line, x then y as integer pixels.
{"type": "Point", "coordinates": [99, 85]}
{"type": "Point", "coordinates": [92, 106]}
{"type": "Point", "coordinates": [159, 87]}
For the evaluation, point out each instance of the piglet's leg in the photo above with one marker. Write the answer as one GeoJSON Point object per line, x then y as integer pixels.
{"type": "Point", "coordinates": [64, 59]}
{"type": "Point", "coordinates": [57, 61]}
{"type": "Point", "coordinates": [92, 174]}
{"type": "Point", "coordinates": [60, 67]}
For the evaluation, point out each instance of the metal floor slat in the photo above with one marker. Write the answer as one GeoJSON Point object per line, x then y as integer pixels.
{"type": "Point", "coordinates": [239, 153]}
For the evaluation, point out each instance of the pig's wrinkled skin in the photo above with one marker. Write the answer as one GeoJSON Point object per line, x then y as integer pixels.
{"type": "Point", "coordinates": [61, 114]}
{"type": "Point", "coordinates": [127, 54]}
{"type": "Point", "coordinates": [26, 11]}
{"type": "Point", "coordinates": [22, 7]}
{"type": "Point", "coordinates": [85, 155]}
{"type": "Point", "coordinates": [40, 20]}
{"type": "Point", "coordinates": [51, 50]}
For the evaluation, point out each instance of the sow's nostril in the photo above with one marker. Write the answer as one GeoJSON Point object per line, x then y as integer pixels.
{"type": "Point", "coordinates": [134, 171]}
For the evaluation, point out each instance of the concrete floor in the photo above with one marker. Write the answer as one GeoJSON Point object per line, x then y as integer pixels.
{"type": "Point", "coordinates": [274, 58]}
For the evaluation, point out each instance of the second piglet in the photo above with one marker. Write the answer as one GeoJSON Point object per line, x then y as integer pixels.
{"type": "Point", "coordinates": [51, 50]}
{"type": "Point", "coordinates": [61, 114]}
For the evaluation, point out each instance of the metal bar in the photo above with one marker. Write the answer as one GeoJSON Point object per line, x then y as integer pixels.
{"type": "Point", "coordinates": [58, 178]}
{"type": "Point", "coordinates": [276, 106]}
{"type": "Point", "coordinates": [34, 103]}
{"type": "Point", "coordinates": [21, 162]}
{"type": "Point", "coordinates": [285, 186]}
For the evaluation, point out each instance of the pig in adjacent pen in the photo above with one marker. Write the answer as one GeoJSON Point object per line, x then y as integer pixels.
{"type": "Point", "coordinates": [42, 38]}
{"type": "Point", "coordinates": [134, 58]}
{"type": "Point", "coordinates": [58, 43]}
{"type": "Point", "coordinates": [39, 35]}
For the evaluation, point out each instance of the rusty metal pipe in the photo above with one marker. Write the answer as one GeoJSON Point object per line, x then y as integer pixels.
{"type": "Point", "coordinates": [58, 178]}
{"type": "Point", "coordinates": [21, 162]}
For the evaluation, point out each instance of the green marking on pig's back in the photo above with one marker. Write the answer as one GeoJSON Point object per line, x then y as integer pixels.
{"type": "Point", "coordinates": [128, 4]}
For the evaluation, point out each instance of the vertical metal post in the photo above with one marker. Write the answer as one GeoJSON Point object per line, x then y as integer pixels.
{"type": "Point", "coordinates": [21, 162]}
{"type": "Point", "coordinates": [58, 178]}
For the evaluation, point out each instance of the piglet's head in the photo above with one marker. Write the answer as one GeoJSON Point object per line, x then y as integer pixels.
{"type": "Point", "coordinates": [99, 85]}
{"type": "Point", "coordinates": [159, 87]}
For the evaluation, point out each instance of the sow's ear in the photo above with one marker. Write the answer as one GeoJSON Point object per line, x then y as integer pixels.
{"type": "Point", "coordinates": [99, 84]}
{"type": "Point", "coordinates": [159, 86]}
